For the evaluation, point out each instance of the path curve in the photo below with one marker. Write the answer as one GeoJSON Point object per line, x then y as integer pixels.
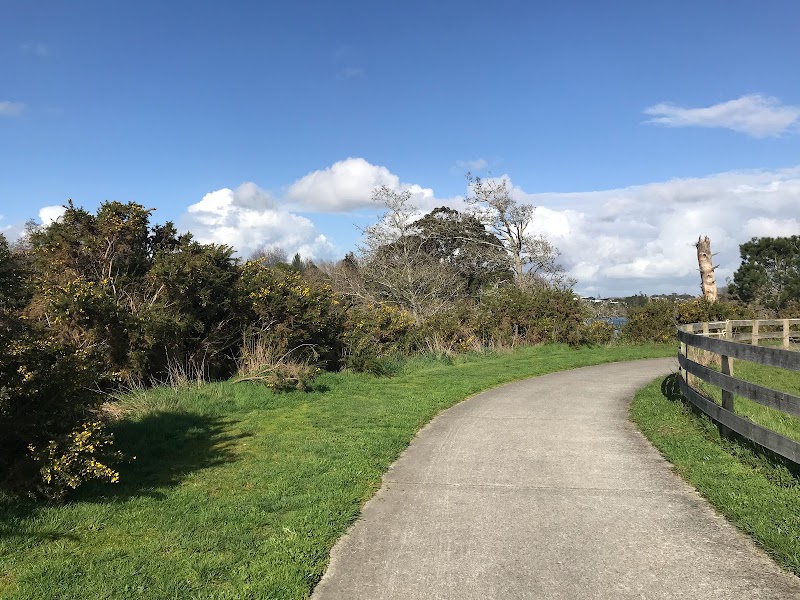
{"type": "Point", "coordinates": [544, 489]}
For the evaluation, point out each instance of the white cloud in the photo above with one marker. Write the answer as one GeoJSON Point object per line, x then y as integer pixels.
{"type": "Point", "coordinates": [249, 219]}
{"type": "Point", "coordinates": [615, 242]}
{"type": "Point", "coordinates": [755, 115]}
{"type": "Point", "coordinates": [343, 186]}
{"type": "Point", "coordinates": [48, 214]}
{"type": "Point", "coordinates": [477, 164]}
{"type": "Point", "coordinates": [769, 227]}
{"type": "Point", "coordinates": [642, 237]}
{"type": "Point", "coordinates": [11, 109]}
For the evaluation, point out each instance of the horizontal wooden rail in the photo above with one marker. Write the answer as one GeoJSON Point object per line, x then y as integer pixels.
{"type": "Point", "coordinates": [773, 357]}
{"type": "Point", "coordinates": [725, 339]}
{"type": "Point", "coordinates": [752, 391]}
{"type": "Point", "coordinates": [775, 442]}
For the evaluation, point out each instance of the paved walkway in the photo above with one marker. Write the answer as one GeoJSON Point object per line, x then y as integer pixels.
{"type": "Point", "coordinates": [544, 489]}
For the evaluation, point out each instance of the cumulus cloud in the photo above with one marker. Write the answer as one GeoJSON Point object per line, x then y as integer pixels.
{"type": "Point", "coordinates": [756, 115]}
{"type": "Point", "coordinates": [345, 185]}
{"type": "Point", "coordinates": [614, 242]}
{"type": "Point", "coordinates": [641, 238]}
{"type": "Point", "coordinates": [11, 109]}
{"type": "Point", "coordinates": [249, 219]}
{"type": "Point", "coordinates": [48, 214]}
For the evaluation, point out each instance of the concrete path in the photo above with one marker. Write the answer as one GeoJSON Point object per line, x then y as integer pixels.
{"type": "Point", "coordinates": [544, 489]}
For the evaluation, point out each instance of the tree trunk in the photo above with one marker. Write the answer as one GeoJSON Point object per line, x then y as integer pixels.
{"type": "Point", "coordinates": [707, 281]}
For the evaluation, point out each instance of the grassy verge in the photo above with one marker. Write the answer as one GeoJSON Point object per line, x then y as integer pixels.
{"type": "Point", "coordinates": [759, 495]}
{"type": "Point", "coordinates": [239, 493]}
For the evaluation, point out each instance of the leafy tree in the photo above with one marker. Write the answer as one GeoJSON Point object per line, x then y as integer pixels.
{"type": "Point", "coordinates": [770, 272]}
{"type": "Point", "coordinates": [461, 240]}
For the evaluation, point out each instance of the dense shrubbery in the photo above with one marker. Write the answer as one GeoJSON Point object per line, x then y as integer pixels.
{"type": "Point", "coordinates": [652, 322]}
{"type": "Point", "coordinates": [95, 302]}
{"type": "Point", "coordinates": [373, 332]}
{"type": "Point", "coordinates": [290, 312]}
{"type": "Point", "coordinates": [599, 332]}
{"type": "Point", "coordinates": [657, 320]}
{"type": "Point", "coordinates": [512, 315]}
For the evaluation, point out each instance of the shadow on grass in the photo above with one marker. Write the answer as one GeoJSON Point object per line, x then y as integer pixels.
{"type": "Point", "coordinates": [167, 447]}
{"type": "Point", "coordinates": [161, 449]}
{"type": "Point", "coordinates": [671, 388]}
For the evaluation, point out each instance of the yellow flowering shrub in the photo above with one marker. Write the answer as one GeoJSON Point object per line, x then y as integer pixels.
{"type": "Point", "coordinates": [291, 312]}
{"type": "Point", "coordinates": [374, 331]}
{"type": "Point", "coordinates": [71, 459]}
{"type": "Point", "coordinates": [599, 332]}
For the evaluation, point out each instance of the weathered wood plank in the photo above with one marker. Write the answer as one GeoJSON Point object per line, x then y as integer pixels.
{"type": "Point", "coordinates": [774, 357]}
{"type": "Point", "coordinates": [765, 396]}
{"type": "Point", "coordinates": [727, 369]}
{"type": "Point", "coordinates": [762, 436]}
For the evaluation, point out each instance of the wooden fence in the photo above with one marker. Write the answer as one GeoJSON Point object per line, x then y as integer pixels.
{"type": "Point", "coordinates": [740, 340]}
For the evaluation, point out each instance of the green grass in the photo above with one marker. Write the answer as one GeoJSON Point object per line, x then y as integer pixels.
{"type": "Point", "coordinates": [761, 496]}
{"type": "Point", "coordinates": [239, 493]}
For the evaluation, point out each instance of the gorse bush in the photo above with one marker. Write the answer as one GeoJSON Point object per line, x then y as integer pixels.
{"type": "Point", "coordinates": [291, 312]}
{"type": "Point", "coordinates": [657, 320]}
{"type": "Point", "coordinates": [373, 332]}
{"type": "Point", "coordinates": [449, 332]}
{"type": "Point", "coordinates": [82, 454]}
{"type": "Point", "coordinates": [598, 332]}
{"type": "Point", "coordinates": [512, 315]}
{"type": "Point", "coordinates": [652, 322]}
{"type": "Point", "coordinates": [700, 310]}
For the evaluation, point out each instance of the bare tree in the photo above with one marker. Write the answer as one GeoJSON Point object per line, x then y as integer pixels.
{"type": "Point", "coordinates": [395, 265]}
{"type": "Point", "coordinates": [533, 258]}
{"type": "Point", "coordinates": [271, 255]}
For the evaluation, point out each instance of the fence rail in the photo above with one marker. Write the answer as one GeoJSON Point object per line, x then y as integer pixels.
{"type": "Point", "coordinates": [727, 339]}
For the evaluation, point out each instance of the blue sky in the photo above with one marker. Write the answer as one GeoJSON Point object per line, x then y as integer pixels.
{"type": "Point", "coordinates": [630, 124]}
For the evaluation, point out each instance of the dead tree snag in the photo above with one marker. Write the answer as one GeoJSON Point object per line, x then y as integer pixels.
{"type": "Point", "coordinates": [707, 281]}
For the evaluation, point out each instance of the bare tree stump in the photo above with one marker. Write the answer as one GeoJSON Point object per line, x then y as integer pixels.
{"type": "Point", "coordinates": [708, 283]}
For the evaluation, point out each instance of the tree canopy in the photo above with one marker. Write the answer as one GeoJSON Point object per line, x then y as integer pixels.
{"type": "Point", "coordinates": [770, 272]}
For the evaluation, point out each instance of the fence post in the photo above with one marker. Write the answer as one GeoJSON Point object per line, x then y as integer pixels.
{"type": "Point", "coordinates": [683, 372]}
{"type": "Point", "coordinates": [727, 369]}
{"type": "Point", "coordinates": [786, 333]}
{"type": "Point", "coordinates": [754, 340]}
{"type": "Point", "coordinates": [728, 331]}
{"type": "Point", "coordinates": [727, 397]}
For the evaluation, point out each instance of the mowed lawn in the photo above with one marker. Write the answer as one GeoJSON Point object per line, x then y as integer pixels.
{"type": "Point", "coordinates": [239, 493]}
